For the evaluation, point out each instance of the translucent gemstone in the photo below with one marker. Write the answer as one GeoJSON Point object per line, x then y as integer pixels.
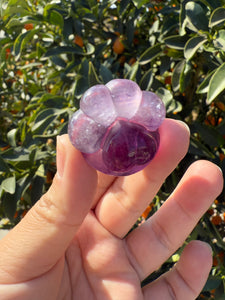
{"type": "Point", "coordinates": [97, 104]}
{"type": "Point", "coordinates": [126, 96]}
{"type": "Point", "coordinates": [151, 112]}
{"type": "Point", "coordinates": [85, 134]}
{"type": "Point", "coordinates": [126, 148]}
{"type": "Point", "coordinates": [127, 145]}
{"type": "Point", "coordinates": [116, 128]}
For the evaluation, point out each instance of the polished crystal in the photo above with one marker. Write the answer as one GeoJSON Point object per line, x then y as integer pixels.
{"type": "Point", "coordinates": [116, 127]}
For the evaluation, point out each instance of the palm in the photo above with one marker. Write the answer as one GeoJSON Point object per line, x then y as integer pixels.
{"type": "Point", "coordinates": [98, 266]}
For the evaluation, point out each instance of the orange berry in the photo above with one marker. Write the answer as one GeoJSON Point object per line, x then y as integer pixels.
{"type": "Point", "coordinates": [216, 220]}
{"type": "Point", "coordinates": [49, 177]}
{"type": "Point", "coordinates": [29, 26]}
{"type": "Point", "coordinates": [210, 211]}
{"type": "Point", "coordinates": [19, 73]}
{"type": "Point", "coordinates": [168, 80]}
{"type": "Point", "coordinates": [220, 120]}
{"type": "Point", "coordinates": [210, 120]}
{"type": "Point", "coordinates": [15, 215]}
{"type": "Point", "coordinates": [216, 201]}
{"type": "Point", "coordinates": [117, 33]}
{"type": "Point", "coordinates": [135, 41]}
{"type": "Point", "coordinates": [5, 148]}
{"type": "Point", "coordinates": [132, 61]}
{"type": "Point", "coordinates": [78, 41]}
{"type": "Point", "coordinates": [219, 257]}
{"type": "Point", "coordinates": [118, 46]}
{"type": "Point", "coordinates": [221, 156]}
{"type": "Point", "coordinates": [7, 52]}
{"type": "Point", "coordinates": [122, 60]}
{"type": "Point", "coordinates": [147, 211]}
{"type": "Point", "coordinates": [24, 213]}
{"type": "Point", "coordinates": [220, 105]}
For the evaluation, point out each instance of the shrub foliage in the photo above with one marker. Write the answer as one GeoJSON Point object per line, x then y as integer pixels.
{"type": "Point", "coordinates": [51, 52]}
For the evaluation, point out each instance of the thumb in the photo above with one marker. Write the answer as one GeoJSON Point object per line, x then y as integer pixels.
{"type": "Point", "coordinates": [38, 242]}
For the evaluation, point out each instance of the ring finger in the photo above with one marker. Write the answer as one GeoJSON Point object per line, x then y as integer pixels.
{"type": "Point", "coordinates": [167, 229]}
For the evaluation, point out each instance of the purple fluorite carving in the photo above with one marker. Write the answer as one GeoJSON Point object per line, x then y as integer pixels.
{"type": "Point", "coordinates": [116, 127]}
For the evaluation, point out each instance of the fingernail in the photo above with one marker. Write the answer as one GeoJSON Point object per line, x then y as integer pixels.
{"type": "Point", "coordinates": [60, 156]}
{"type": "Point", "coordinates": [184, 124]}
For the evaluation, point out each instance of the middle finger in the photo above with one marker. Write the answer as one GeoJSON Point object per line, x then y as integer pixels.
{"type": "Point", "coordinates": [127, 197]}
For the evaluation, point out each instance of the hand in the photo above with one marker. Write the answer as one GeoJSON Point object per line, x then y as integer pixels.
{"type": "Point", "coordinates": [71, 244]}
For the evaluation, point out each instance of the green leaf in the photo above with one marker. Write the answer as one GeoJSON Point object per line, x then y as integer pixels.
{"type": "Point", "coordinates": [55, 18]}
{"type": "Point", "coordinates": [176, 41]}
{"type": "Point", "coordinates": [16, 154]}
{"type": "Point", "coordinates": [3, 165]}
{"type": "Point", "coordinates": [219, 42]}
{"type": "Point", "coordinates": [41, 171]}
{"type": "Point", "coordinates": [81, 85]}
{"type": "Point", "coordinates": [150, 54]}
{"type": "Point", "coordinates": [210, 135]}
{"type": "Point", "coordinates": [196, 16]}
{"type": "Point", "coordinates": [193, 45]}
{"type": "Point", "coordinates": [9, 185]}
{"type": "Point", "coordinates": [204, 86]}
{"type": "Point", "coordinates": [212, 283]}
{"type": "Point", "coordinates": [105, 73]}
{"type": "Point", "coordinates": [216, 84]}
{"type": "Point", "coordinates": [16, 3]}
{"type": "Point", "coordinates": [146, 81]}
{"type": "Point", "coordinates": [213, 4]}
{"type": "Point", "coordinates": [178, 70]}
{"type": "Point", "coordinates": [172, 106]}
{"type": "Point", "coordinates": [198, 148]}
{"type": "Point", "coordinates": [22, 40]}
{"type": "Point", "coordinates": [185, 76]}
{"type": "Point", "coordinates": [44, 119]}
{"type": "Point", "coordinates": [11, 135]}
{"type": "Point", "coordinates": [37, 188]}
{"type": "Point", "coordinates": [14, 22]}
{"type": "Point", "coordinates": [217, 17]}
{"type": "Point", "coordinates": [131, 74]}
{"type": "Point", "coordinates": [68, 49]}
{"type": "Point", "coordinates": [92, 75]}
{"type": "Point", "coordinates": [139, 3]}
{"type": "Point", "coordinates": [9, 205]}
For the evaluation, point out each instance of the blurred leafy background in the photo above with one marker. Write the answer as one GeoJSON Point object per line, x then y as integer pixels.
{"type": "Point", "coordinates": [52, 51]}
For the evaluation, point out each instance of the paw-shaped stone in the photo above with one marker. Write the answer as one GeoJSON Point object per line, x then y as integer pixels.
{"type": "Point", "coordinates": [116, 127]}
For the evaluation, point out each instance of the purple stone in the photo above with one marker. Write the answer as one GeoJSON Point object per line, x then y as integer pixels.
{"type": "Point", "coordinates": [97, 104]}
{"type": "Point", "coordinates": [126, 96]}
{"type": "Point", "coordinates": [151, 112]}
{"type": "Point", "coordinates": [116, 128]}
{"type": "Point", "coordinates": [85, 134]}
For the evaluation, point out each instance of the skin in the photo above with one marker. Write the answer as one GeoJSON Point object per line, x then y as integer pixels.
{"type": "Point", "coordinates": [71, 244]}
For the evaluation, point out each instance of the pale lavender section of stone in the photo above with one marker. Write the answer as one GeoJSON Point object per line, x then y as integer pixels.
{"type": "Point", "coordinates": [97, 104]}
{"type": "Point", "coordinates": [151, 112]}
{"type": "Point", "coordinates": [126, 96]}
{"type": "Point", "coordinates": [85, 134]}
